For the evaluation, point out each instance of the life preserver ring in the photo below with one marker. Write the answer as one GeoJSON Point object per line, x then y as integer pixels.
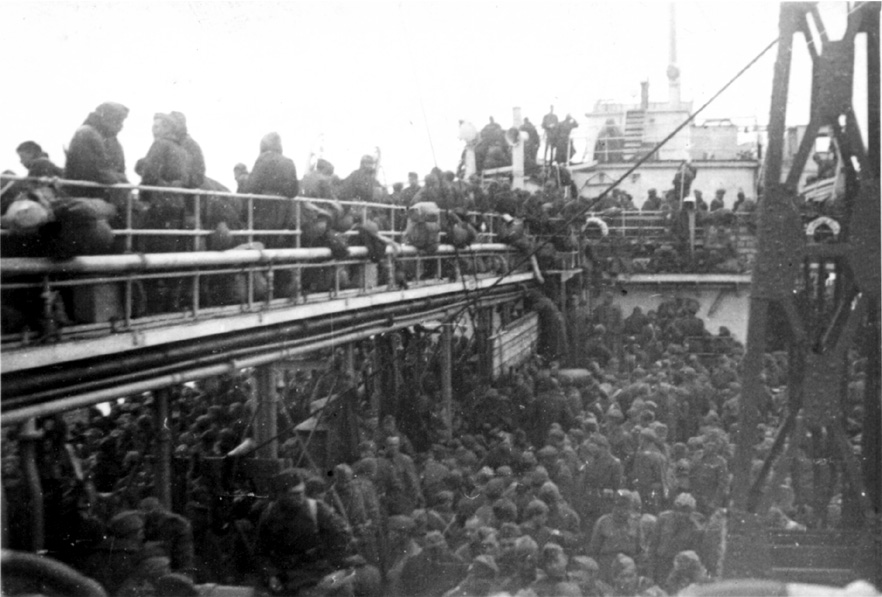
{"type": "Point", "coordinates": [604, 227]}
{"type": "Point", "coordinates": [832, 224]}
{"type": "Point", "coordinates": [57, 576]}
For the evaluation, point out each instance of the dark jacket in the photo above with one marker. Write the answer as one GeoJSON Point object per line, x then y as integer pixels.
{"type": "Point", "coordinates": [293, 542]}
{"type": "Point", "coordinates": [273, 174]}
{"type": "Point", "coordinates": [359, 186]}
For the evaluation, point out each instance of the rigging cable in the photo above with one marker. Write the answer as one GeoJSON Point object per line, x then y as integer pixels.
{"type": "Point", "coordinates": [419, 86]}
{"type": "Point", "coordinates": [578, 214]}
{"type": "Point", "coordinates": [587, 208]}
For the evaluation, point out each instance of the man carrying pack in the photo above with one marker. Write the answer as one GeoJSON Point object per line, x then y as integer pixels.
{"type": "Point", "coordinates": [299, 540]}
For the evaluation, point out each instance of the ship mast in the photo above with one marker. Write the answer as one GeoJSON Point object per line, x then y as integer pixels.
{"type": "Point", "coordinates": [673, 70]}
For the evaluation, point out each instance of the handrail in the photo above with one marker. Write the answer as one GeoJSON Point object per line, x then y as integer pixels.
{"type": "Point", "coordinates": [395, 211]}
{"type": "Point", "coordinates": [137, 262]}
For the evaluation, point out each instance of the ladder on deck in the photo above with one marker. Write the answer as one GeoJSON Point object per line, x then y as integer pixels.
{"type": "Point", "coordinates": [635, 122]}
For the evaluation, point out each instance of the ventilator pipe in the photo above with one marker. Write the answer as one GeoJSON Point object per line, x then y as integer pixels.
{"type": "Point", "coordinates": [127, 389]}
{"type": "Point", "coordinates": [28, 443]}
{"type": "Point", "coordinates": [69, 380]}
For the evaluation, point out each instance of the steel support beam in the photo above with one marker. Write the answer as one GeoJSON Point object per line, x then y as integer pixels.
{"type": "Point", "coordinates": [163, 472]}
{"type": "Point", "coordinates": [447, 377]}
{"type": "Point", "coordinates": [265, 421]}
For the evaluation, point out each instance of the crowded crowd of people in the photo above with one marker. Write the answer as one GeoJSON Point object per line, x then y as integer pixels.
{"type": "Point", "coordinates": [608, 479]}
{"type": "Point", "coordinates": [48, 220]}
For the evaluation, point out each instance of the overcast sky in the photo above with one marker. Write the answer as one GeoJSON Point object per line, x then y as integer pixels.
{"type": "Point", "coordinates": [398, 75]}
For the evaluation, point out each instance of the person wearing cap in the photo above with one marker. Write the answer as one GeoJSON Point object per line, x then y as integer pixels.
{"type": "Point", "coordinates": [299, 540]}
{"type": "Point", "coordinates": [709, 476]}
{"type": "Point", "coordinates": [37, 161]}
{"type": "Point", "coordinates": [117, 558]}
{"type": "Point", "coordinates": [361, 184]}
{"type": "Point", "coordinates": [95, 154]}
{"type": "Point", "coordinates": [717, 202]}
{"type": "Point", "coordinates": [398, 482]}
{"type": "Point", "coordinates": [563, 521]}
{"type": "Point", "coordinates": [481, 540]}
{"type": "Point", "coordinates": [627, 582]}
{"type": "Point", "coordinates": [677, 529]}
{"type": "Point", "coordinates": [554, 580]}
{"type": "Point", "coordinates": [411, 190]}
{"type": "Point", "coordinates": [319, 182]}
{"type": "Point", "coordinates": [536, 522]}
{"type": "Point", "coordinates": [585, 572]}
{"type": "Point", "coordinates": [653, 201]}
{"type": "Point", "coordinates": [357, 510]}
{"type": "Point", "coordinates": [433, 571]}
{"type": "Point", "coordinates": [389, 428]}
{"type": "Point", "coordinates": [599, 478]}
{"type": "Point", "coordinates": [687, 570]}
{"type": "Point", "coordinates": [615, 533]}
{"type": "Point", "coordinates": [172, 531]}
{"type": "Point", "coordinates": [649, 472]}
{"type": "Point", "coordinates": [480, 580]}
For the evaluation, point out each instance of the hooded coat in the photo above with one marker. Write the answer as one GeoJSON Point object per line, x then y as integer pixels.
{"type": "Point", "coordinates": [95, 153]}
{"type": "Point", "coordinates": [167, 162]}
{"type": "Point", "coordinates": [273, 174]}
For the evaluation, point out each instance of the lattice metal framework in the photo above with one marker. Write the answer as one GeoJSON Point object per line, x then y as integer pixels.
{"type": "Point", "coordinates": [828, 289]}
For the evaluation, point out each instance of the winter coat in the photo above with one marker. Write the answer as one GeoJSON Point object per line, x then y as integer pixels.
{"type": "Point", "coordinates": [95, 155]}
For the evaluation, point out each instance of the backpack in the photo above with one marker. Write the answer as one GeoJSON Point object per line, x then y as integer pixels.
{"type": "Point", "coordinates": [423, 226]}
{"type": "Point", "coordinates": [460, 233]}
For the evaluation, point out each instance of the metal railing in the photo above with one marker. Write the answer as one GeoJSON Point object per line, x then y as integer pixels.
{"type": "Point", "coordinates": [117, 292]}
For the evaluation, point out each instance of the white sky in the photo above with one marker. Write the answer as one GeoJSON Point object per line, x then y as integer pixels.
{"type": "Point", "coordinates": [361, 73]}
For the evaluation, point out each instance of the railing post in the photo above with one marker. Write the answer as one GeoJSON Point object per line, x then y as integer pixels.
{"type": "Point", "coordinates": [297, 272]}
{"type": "Point", "coordinates": [446, 378]}
{"type": "Point", "coordinates": [250, 220]}
{"type": "Point", "coordinates": [197, 222]}
{"type": "Point", "coordinates": [129, 222]}
{"type": "Point", "coordinates": [265, 422]}
{"type": "Point", "coordinates": [163, 448]}
{"type": "Point", "coordinates": [691, 214]}
{"type": "Point", "coordinates": [28, 440]}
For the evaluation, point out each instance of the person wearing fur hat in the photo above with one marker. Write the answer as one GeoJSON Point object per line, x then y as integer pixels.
{"type": "Point", "coordinates": [167, 164]}
{"type": "Point", "coordinates": [677, 529]}
{"type": "Point", "coordinates": [615, 533]}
